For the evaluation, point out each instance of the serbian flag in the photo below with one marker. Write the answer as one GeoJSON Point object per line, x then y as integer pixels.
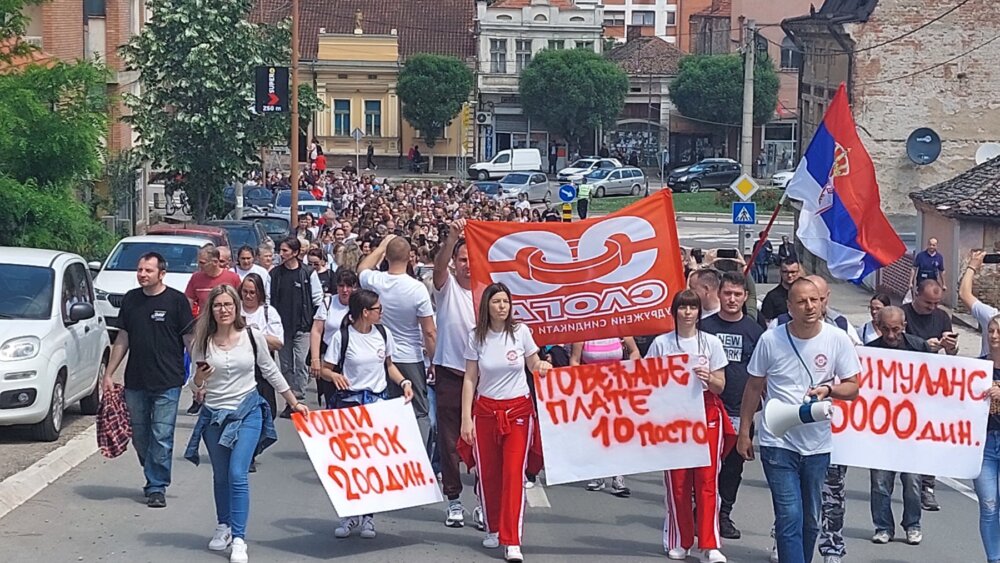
{"type": "Point", "coordinates": [841, 219]}
{"type": "Point", "coordinates": [604, 277]}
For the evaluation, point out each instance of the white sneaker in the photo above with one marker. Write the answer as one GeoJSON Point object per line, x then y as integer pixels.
{"type": "Point", "coordinates": [222, 538]}
{"type": "Point", "coordinates": [677, 554]}
{"type": "Point", "coordinates": [914, 536]}
{"type": "Point", "coordinates": [347, 525]}
{"type": "Point", "coordinates": [596, 485]}
{"type": "Point", "coordinates": [491, 541]}
{"type": "Point", "coordinates": [456, 515]}
{"type": "Point", "coordinates": [478, 520]}
{"type": "Point", "coordinates": [239, 553]}
{"type": "Point", "coordinates": [513, 553]}
{"type": "Point", "coordinates": [713, 556]}
{"type": "Point", "coordinates": [368, 528]}
{"type": "Point", "coordinates": [774, 554]}
{"type": "Point", "coordinates": [881, 536]}
{"type": "Point", "coordinates": [529, 484]}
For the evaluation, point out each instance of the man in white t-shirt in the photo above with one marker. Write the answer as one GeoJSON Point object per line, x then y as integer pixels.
{"type": "Point", "coordinates": [983, 312]}
{"type": "Point", "coordinates": [705, 283]}
{"type": "Point", "coordinates": [408, 313]}
{"type": "Point", "coordinates": [802, 360]}
{"type": "Point", "coordinates": [456, 317]}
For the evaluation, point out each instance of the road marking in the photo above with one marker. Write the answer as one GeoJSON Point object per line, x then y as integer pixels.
{"type": "Point", "coordinates": [536, 497]}
{"type": "Point", "coordinates": [960, 487]}
{"type": "Point", "coordinates": [20, 487]}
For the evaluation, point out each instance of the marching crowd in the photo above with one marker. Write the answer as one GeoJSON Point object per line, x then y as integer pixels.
{"type": "Point", "coordinates": [373, 301]}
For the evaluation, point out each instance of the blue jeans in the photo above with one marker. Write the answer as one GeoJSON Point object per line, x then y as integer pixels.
{"type": "Point", "coordinates": [989, 496]}
{"type": "Point", "coordinates": [882, 484]}
{"type": "Point", "coordinates": [153, 415]}
{"type": "Point", "coordinates": [796, 483]}
{"type": "Point", "coordinates": [230, 468]}
{"type": "Point", "coordinates": [432, 440]}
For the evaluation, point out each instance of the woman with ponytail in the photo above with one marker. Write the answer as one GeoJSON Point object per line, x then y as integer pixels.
{"type": "Point", "coordinates": [357, 360]}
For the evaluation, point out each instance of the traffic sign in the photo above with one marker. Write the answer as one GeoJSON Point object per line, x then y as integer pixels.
{"type": "Point", "coordinates": [744, 213]}
{"type": "Point", "coordinates": [357, 134]}
{"type": "Point", "coordinates": [745, 187]}
{"type": "Point", "coordinates": [567, 193]}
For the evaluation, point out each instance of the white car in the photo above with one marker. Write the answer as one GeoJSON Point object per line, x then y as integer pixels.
{"type": "Point", "coordinates": [53, 345]}
{"type": "Point", "coordinates": [317, 208]}
{"type": "Point", "coordinates": [117, 275]}
{"type": "Point", "coordinates": [780, 179]}
{"type": "Point", "coordinates": [584, 166]}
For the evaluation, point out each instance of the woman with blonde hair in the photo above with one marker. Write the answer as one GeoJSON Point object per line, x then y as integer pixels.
{"type": "Point", "coordinates": [235, 420]}
{"type": "Point", "coordinates": [350, 257]}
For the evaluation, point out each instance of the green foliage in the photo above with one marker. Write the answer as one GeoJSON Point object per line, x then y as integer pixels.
{"type": "Point", "coordinates": [572, 91]}
{"type": "Point", "coordinates": [432, 89]}
{"type": "Point", "coordinates": [196, 61]}
{"type": "Point", "coordinates": [53, 120]}
{"type": "Point", "coordinates": [710, 87]}
{"type": "Point", "coordinates": [766, 198]}
{"type": "Point", "coordinates": [13, 24]}
{"type": "Point", "coordinates": [49, 218]}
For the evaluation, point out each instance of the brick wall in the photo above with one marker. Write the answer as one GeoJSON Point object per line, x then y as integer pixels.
{"type": "Point", "coordinates": [62, 29]}
{"type": "Point", "coordinates": [986, 286]}
{"type": "Point", "coordinates": [957, 99]}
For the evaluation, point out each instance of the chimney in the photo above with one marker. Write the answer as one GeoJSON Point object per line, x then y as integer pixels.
{"type": "Point", "coordinates": [632, 32]}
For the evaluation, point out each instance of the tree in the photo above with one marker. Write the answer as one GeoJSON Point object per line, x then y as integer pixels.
{"type": "Point", "coordinates": [710, 88]}
{"type": "Point", "coordinates": [572, 91]}
{"type": "Point", "coordinates": [194, 117]}
{"type": "Point", "coordinates": [432, 89]}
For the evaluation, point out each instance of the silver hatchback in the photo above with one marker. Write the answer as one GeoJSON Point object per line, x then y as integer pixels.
{"type": "Point", "coordinates": [616, 181]}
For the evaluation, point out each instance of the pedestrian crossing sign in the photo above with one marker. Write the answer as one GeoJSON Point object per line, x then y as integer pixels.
{"type": "Point", "coordinates": [744, 213]}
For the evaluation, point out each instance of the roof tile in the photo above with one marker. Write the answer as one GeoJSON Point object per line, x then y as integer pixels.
{"type": "Point", "coordinates": [973, 193]}
{"type": "Point", "coordinates": [647, 55]}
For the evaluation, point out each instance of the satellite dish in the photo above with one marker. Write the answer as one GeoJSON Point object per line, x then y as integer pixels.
{"type": "Point", "coordinates": [923, 146]}
{"type": "Point", "coordinates": [987, 151]}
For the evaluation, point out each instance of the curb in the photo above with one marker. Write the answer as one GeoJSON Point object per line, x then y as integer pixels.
{"type": "Point", "coordinates": [721, 218]}
{"type": "Point", "coordinates": [21, 486]}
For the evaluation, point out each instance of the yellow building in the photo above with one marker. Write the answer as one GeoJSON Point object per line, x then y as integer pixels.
{"type": "Point", "coordinates": [355, 75]}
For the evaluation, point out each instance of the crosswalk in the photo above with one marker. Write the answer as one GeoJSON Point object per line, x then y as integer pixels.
{"type": "Point", "coordinates": [721, 237]}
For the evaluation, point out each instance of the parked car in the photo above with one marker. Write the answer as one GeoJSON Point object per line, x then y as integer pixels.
{"type": "Point", "coordinates": [317, 208]}
{"type": "Point", "coordinates": [535, 184]}
{"type": "Point", "coordinates": [489, 187]}
{"type": "Point", "coordinates": [282, 202]}
{"type": "Point", "coordinates": [245, 232]}
{"type": "Point", "coordinates": [619, 181]}
{"type": "Point", "coordinates": [253, 196]}
{"type": "Point", "coordinates": [117, 274]}
{"type": "Point", "coordinates": [216, 235]}
{"type": "Point", "coordinates": [54, 348]}
{"type": "Point", "coordinates": [505, 162]}
{"type": "Point", "coordinates": [276, 226]}
{"type": "Point", "coordinates": [780, 179]}
{"type": "Point", "coordinates": [708, 173]}
{"type": "Point", "coordinates": [584, 166]}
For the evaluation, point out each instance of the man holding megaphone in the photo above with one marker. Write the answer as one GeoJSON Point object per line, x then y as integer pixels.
{"type": "Point", "coordinates": [802, 365]}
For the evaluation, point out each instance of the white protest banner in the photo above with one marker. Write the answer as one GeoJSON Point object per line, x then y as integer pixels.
{"type": "Point", "coordinates": [915, 413]}
{"type": "Point", "coordinates": [369, 458]}
{"type": "Point", "coordinates": [621, 419]}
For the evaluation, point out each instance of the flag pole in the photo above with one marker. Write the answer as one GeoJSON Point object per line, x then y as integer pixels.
{"type": "Point", "coordinates": [767, 230]}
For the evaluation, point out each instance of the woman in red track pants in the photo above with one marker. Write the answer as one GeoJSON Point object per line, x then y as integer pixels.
{"type": "Point", "coordinates": [701, 482]}
{"type": "Point", "coordinates": [498, 417]}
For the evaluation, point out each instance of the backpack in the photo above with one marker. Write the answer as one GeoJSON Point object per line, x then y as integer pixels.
{"type": "Point", "coordinates": [344, 334]}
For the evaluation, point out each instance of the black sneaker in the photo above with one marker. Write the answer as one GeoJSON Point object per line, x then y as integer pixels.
{"type": "Point", "coordinates": [287, 413]}
{"type": "Point", "coordinates": [928, 502]}
{"type": "Point", "coordinates": [194, 408]}
{"type": "Point", "coordinates": [727, 529]}
{"type": "Point", "coordinates": [156, 500]}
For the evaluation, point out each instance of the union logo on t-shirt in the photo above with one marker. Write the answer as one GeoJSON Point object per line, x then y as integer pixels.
{"type": "Point", "coordinates": [512, 356]}
{"type": "Point", "coordinates": [820, 361]}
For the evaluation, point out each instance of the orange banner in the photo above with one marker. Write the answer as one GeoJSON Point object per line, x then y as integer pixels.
{"type": "Point", "coordinates": [598, 278]}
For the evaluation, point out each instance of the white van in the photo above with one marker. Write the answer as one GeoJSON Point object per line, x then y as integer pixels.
{"type": "Point", "coordinates": [506, 161]}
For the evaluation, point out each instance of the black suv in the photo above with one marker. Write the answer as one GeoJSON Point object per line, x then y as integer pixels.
{"type": "Point", "coordinates": [708, 173]}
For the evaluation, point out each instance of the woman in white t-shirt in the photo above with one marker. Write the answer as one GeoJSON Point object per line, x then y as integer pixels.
{"type": "Point", "coordinates": [326, 322]}
{"type": "Point", "coordinates": [498, 417]}
{"type": "Point", "coordinates": [246, 257]}
{"type": "Point", "coordinates": [263, 319]}
{"type": "Point", "coordinates": [702, 483]}
{"type": "Point", "coordinates": [869, 331]}
{"type": "Point", "coordinates": [358, 370]}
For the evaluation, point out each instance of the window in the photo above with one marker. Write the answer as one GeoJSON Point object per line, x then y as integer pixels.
{"type": "Point", "coordinates": [643, 18]}
{"type": "Point", "coordinates": [523, 54]}
{"type": "Point", "coordinates": [76, 288]}
{"type": "Point", "coordinates": [613, 19]}
{"type": "Point", "coordinates": [540, 18]}
{"type": "Point", "coordinates": [94, 8]}
{"type": "Point", "coordinates": [671, 18]}
{"type": "Point", "coordinates": [585, 45]}
{"type": "Point", "coordinates": [498, 55]}
{"type": "Point", "coordinates": [373, 118]}
{"type": "Point", "coordinates": [557, 44]}
{"type": "Point", "coordinates": [502, 159]}
{"type": "Point", "coordinates": [791, 57]}
{"type": "Point", "coordinates": [341, 118]}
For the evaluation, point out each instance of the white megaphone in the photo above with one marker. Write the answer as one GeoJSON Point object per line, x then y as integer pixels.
{"type": "Point", "coordinates": [782, 417]}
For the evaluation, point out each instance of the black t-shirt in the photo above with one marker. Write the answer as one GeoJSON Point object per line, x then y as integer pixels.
{"type": "Point", "coordinates": [155, 326]}
{"type": "Point", "coordinates": [926, 326]}
{"type": "Point", "coordinates": [738, 340]}
{"type": "Point", "coordinates": [775, 303]}
{"type": "Point", "coordinates": [994, 421]}
{"type": "Point", "coordinates": [326, 281]}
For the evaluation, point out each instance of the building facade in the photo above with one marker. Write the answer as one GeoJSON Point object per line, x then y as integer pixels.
{"type": "Point", "coordinates": [511, 32]}
{"type": "Point", "coordinates": [650, 18]}
{"type": "Point", "coordinates": [907, 64]}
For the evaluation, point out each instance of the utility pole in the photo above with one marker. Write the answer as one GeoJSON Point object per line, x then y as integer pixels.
{"type": "Point", "coordinates": [746, 134]}
{"type": "Point", "coordinates": [294, 141]}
